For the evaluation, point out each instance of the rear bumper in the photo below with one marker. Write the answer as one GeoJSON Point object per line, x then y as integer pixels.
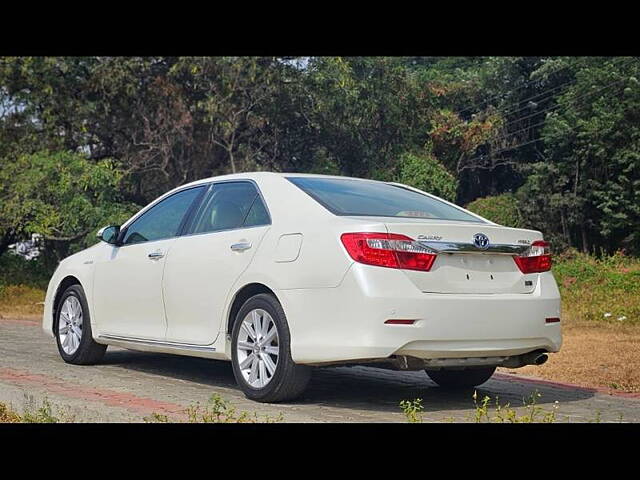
{"type": "Point", "coordinates": [346, 323]}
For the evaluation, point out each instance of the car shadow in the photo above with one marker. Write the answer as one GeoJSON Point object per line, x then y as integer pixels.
{"type": "Point", "coordinates": [352, 387]}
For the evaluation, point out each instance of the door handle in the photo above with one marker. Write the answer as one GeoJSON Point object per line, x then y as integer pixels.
{"type": "Point", "coordinates": [241, 246]}
{"type": "Point", "coordinates": [157, 255]}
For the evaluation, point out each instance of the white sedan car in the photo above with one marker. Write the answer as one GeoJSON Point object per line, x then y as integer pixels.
{"type": "Point", "coordinates": [283, 272]}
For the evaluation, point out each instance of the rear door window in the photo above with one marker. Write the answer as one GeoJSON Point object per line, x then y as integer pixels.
{"type": "Point", "coordinates": [231, 205]}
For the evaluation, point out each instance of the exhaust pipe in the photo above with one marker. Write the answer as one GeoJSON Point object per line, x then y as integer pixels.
{"type": "Point", "coordinates": [532, 358]}
{"type": "Point", "coordinates": [540, 358]}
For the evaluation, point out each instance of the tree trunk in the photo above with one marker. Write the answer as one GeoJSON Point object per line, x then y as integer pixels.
{"type": "Point", "coordinates": [565, 231]}
{"type": "Point", "coordinates": [585, 240]}
{"type": "Point", "coordinates": [232, 160]}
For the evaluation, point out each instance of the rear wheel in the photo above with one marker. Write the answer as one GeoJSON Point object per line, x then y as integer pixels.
{"type": "Point", "coordinates": [467, 378]}
{"type": "Point", "coordinates": [73, 329]}
{"type": "Point", "coordinates": [261, 355]}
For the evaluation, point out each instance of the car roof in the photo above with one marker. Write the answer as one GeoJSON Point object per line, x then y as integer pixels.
{"type": "Point", "coordinates": [255, 175]}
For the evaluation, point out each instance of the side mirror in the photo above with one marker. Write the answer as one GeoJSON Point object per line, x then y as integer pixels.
{"type": "Point", "coordinates": [109, 234]}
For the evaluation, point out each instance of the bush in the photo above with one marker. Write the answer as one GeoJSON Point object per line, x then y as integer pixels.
{"type": "Point", "coordinates": [15, 270]}
{"type": "Point", "coordinates": [501, 209]}
{"type": "Point", "coordinates": [423, 171]}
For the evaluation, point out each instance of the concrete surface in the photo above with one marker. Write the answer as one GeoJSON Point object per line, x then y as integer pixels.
{"type": "Point", "coordinates": [130, 385]}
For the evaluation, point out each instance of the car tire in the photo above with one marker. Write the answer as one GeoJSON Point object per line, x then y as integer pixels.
{"type": "Point", "coordinates": [262, 375]}
{"type": "Point", "coordinates": [72, 328]}
{"type": "Point", "coordinates": [459, 379]}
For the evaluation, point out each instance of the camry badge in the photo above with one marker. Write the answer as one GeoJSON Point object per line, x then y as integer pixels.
{"type": "Point", "coordinates": [481, 241]}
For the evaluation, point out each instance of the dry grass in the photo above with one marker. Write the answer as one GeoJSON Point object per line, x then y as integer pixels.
{"type": "Point", "coordinates": [7, 415]}
{"type": "Point", "coordinates": [600, 321]}
{"type": "Point", "coordinates": [594, 355]}
{"type": "Point", "coordinates": [21, 302]}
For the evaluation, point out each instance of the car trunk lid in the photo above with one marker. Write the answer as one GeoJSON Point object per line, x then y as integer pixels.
{"type": "Point", "coordinates": [473, 258]}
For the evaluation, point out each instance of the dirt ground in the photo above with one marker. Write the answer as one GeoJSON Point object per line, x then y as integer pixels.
{"type": "Point", "coordinates": [594, 355]}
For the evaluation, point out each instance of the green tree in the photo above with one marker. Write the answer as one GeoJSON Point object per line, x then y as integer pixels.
{"type": "Point", "coordinates": [586, 189]}
{"type": "Point", "coordinates": [358, 113]}
{"type": "Point", "coordinates": [62, 196]}
{"type": "Point", "coordinates": [559, 131]}
{"type": "Point", "coordinates": [423, 171]}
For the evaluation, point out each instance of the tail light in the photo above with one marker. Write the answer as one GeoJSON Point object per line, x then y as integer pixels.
{"type": "Point", "coordinates": [536, 259]}
{"type": "Point", "coordinates": [388, 250]}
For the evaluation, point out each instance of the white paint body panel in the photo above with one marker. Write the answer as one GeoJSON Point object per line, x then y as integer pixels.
{"type": "Point", "coordinates": [199, 273]}
{"type": "Point", "coordinates": [335, 308]}
{"type": "Point", "coordinates": [129, 286]}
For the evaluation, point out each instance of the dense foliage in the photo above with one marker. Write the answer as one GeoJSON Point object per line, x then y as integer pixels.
{"type": "Point", "coordinates": [426, 173]}
{"type": "Point", "coordinates": [61, 196]}
{"type": "Point", "coordinates": [84, 139]}
{"type": "Point", "coordinates": [502, 209]}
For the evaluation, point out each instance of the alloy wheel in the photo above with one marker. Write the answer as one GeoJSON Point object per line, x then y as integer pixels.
{"type": "Point", "coordinates": [258, 348]}
{"type": "Point", "coordinates": [70, 325]}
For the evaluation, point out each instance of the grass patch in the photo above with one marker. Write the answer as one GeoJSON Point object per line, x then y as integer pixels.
{"type": "Point", "coordinates": [33, 414]}
{"type": "Point", "coordinates": [23, 286]}
{"type": "Point", "coordinates": [599, 290]}
{"type": "Point", "coordinates": [20, 301]}
{"type": "Point", "coordinates": [488, 411]}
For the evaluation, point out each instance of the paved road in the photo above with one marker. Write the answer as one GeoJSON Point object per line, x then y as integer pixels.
{"type": "Point", "coordinates": [129, 385]}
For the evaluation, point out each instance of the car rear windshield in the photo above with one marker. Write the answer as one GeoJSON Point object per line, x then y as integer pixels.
{"type": "Point", "coordinates": [376, 199]}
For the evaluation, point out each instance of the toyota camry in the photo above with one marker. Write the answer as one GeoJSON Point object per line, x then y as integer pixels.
{"type": "Point", "coordinates": [280, 273]}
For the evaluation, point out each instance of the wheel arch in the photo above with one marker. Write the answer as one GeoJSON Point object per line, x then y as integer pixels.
{"type": "Point", "coordinates": [65, 283]}
{"type": "Point", "coordinates": [241, 296]}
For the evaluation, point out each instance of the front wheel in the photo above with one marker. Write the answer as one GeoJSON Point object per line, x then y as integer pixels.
{"type": "Point", "coordinates": [73, 329]}
{"type": "Point", "coordinates": [261, 355]}
{"type": "Point", "coordinates": [467, 378]}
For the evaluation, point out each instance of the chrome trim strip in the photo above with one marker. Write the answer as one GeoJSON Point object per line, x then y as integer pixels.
{"type": "Point", "coordinates": [461, 247]}
{"type": "Point", "coordinates": [159, 343]}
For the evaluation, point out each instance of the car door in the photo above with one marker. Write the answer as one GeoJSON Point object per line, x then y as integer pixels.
{"type": "Point", "coordinates": [203, 265]}
{"type": "Point", "coordinates": [128, 280]}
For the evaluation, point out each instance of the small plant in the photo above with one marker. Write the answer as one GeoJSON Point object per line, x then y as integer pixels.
{"type": "Point", "coordinates": [156, 418]}
{"type": "Point", "coordinates": [506, 414]}
{"type": "Point", "coordinates": [43, 414]}
{"type": "Point", "coordinates": [216, 410]}
{"type": "Point", "coordinates": [412, 410]}
{"type": "Point", "coordinates": [481, 408]}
